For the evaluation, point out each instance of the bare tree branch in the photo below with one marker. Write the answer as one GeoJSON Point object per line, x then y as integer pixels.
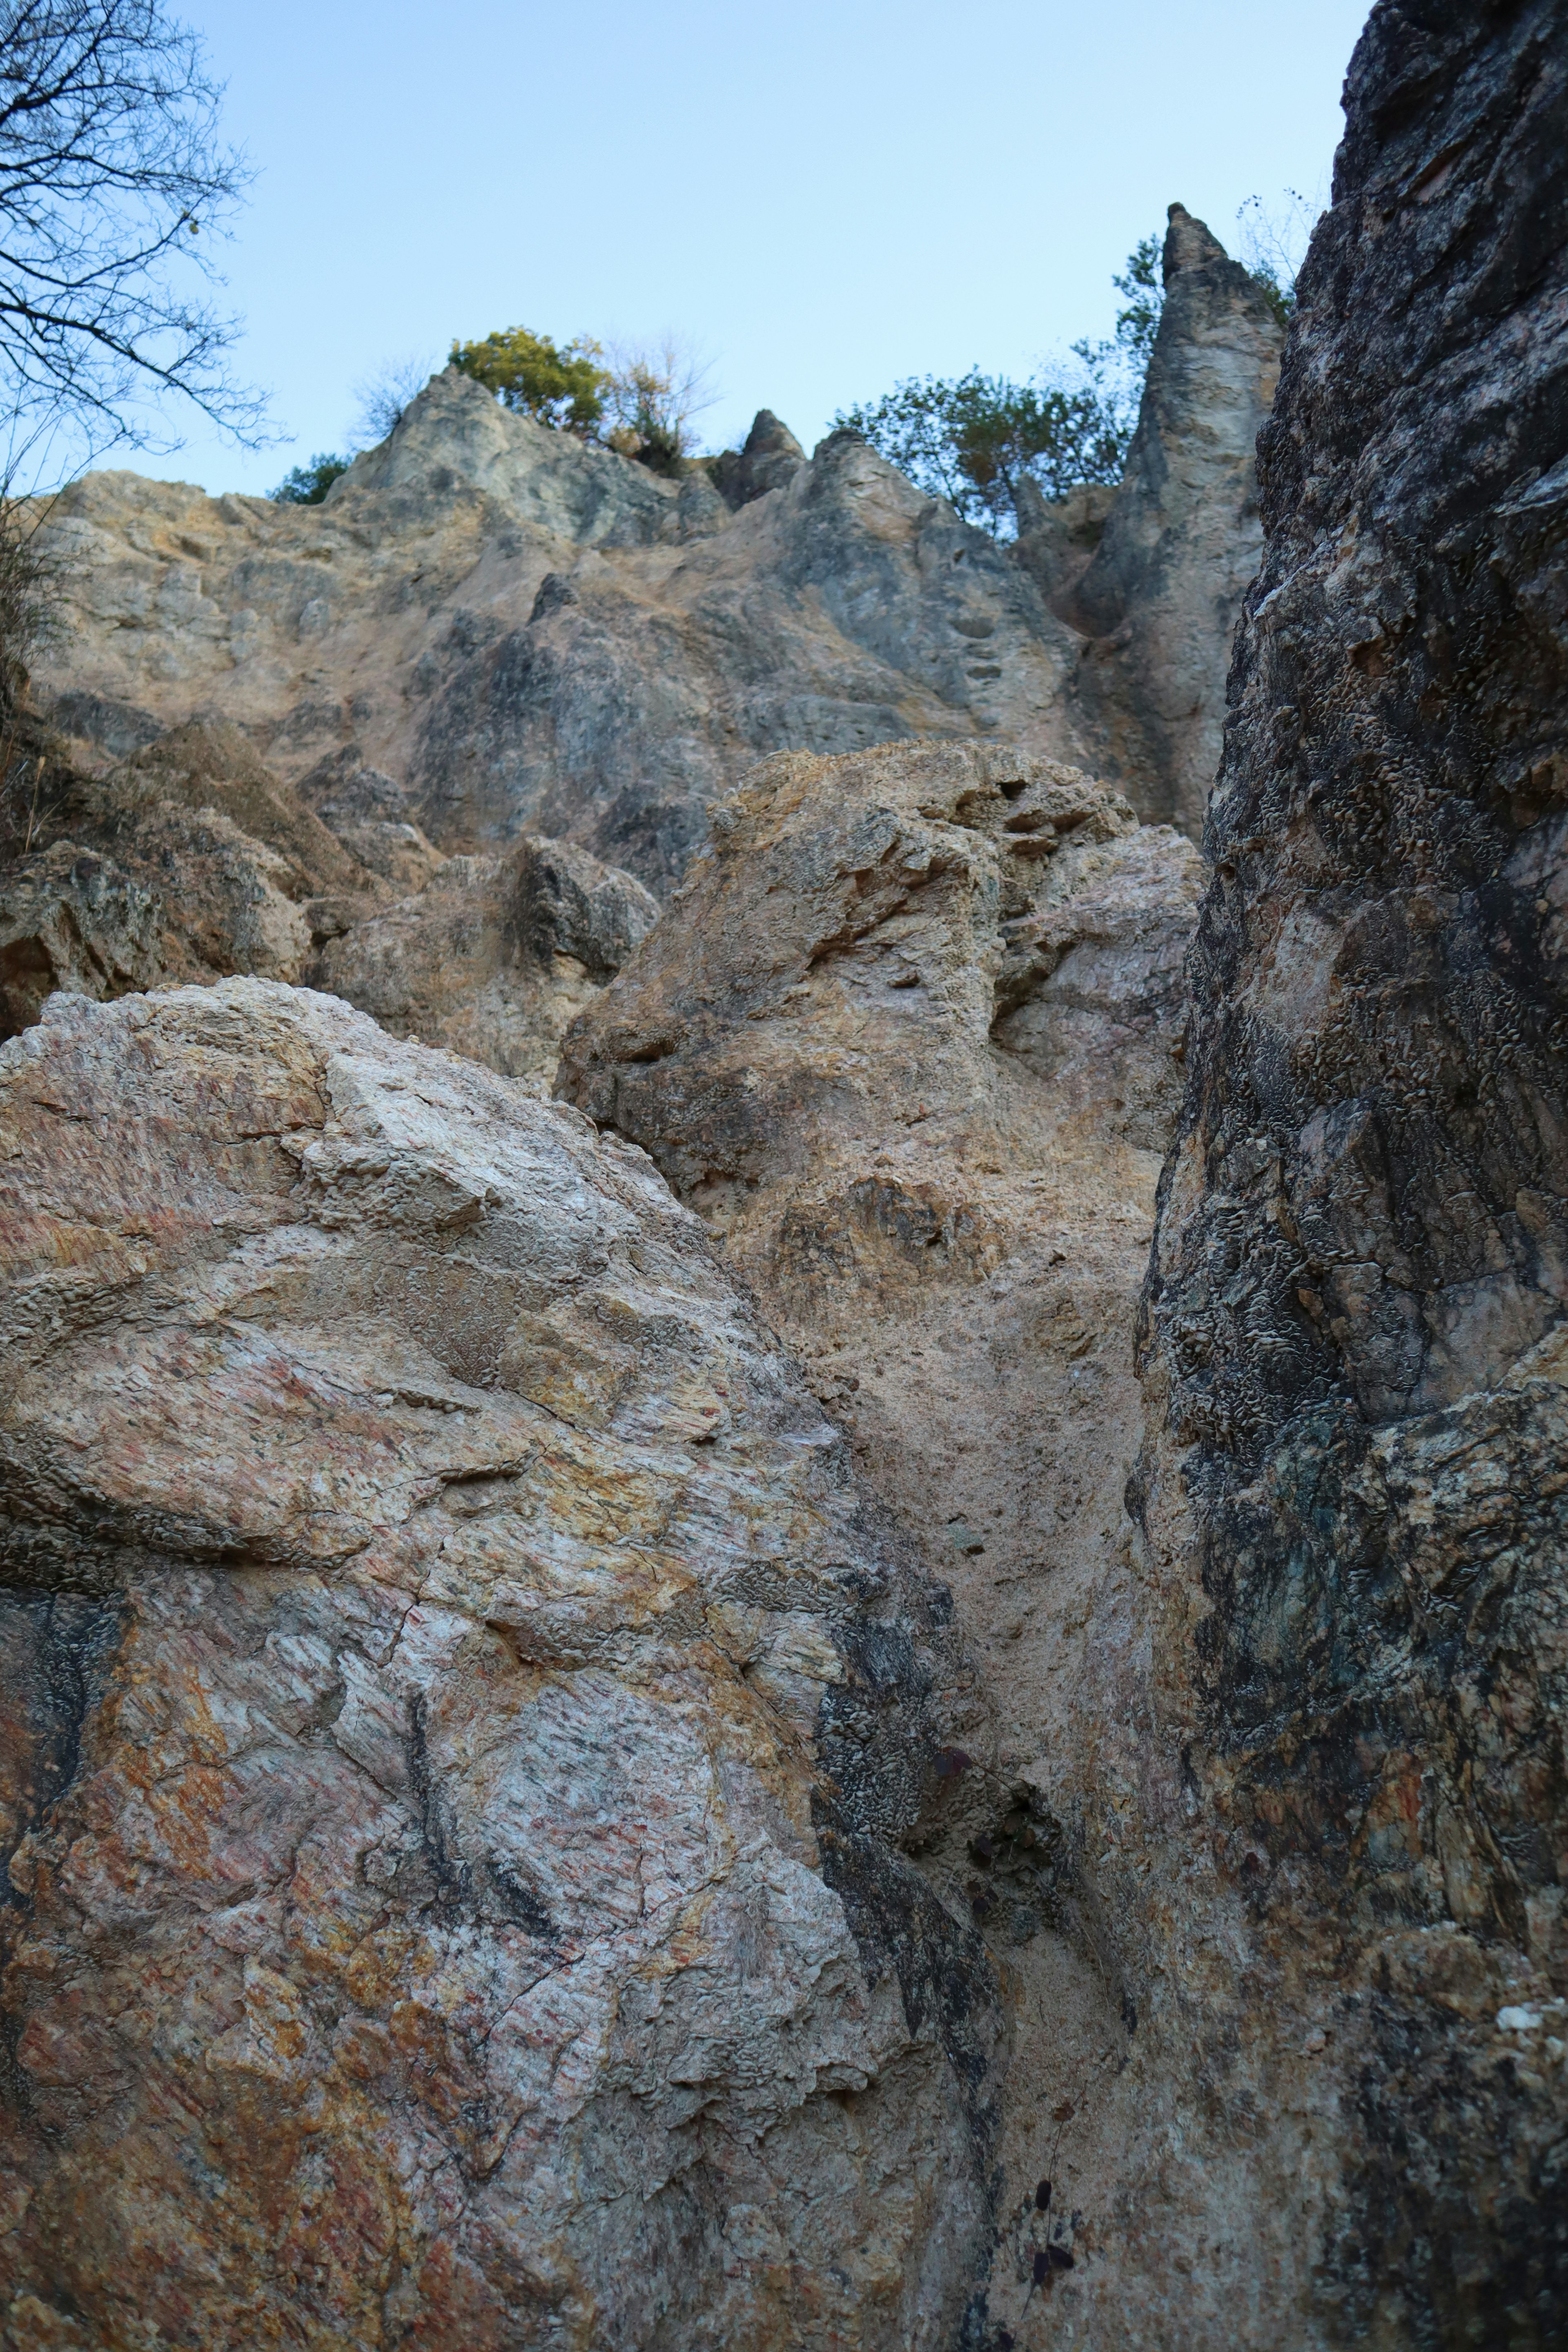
{"type": "Point", "coordinates": [112, 186]}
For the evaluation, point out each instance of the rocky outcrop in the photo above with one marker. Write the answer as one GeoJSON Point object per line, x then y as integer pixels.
{"type": "Point", "coordinates": [1160, 596]}
{"type": "Point", "coordinates": [1355, 1342]}
{"type": "Point", "coordinates": [495, 956]}
{"type": "Point", "coordinates": [1057, 537]}
{"type": "Point", "coordinates": [194, 862]}
{"type": "Point", "coordinates": [524, 633]}
{"type": "Point", "coordinates": [909, 1037]}
{"type": "Point", "coordinates": [769, 458]}
{"type": "Point", "coordinates": [462, 1720]}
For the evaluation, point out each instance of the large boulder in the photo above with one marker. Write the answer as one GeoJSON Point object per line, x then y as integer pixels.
{"type": "Point", "coordinates": [463, 1721]}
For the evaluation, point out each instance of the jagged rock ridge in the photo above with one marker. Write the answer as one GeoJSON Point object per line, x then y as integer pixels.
{"type": "Point", "coordinates": [524, 632]}
{"type": "Point", "coordinates": [518, 630]}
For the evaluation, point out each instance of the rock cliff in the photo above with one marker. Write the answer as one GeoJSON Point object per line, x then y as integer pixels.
{"type": "Point", "coordinates": [522, 631]}
{"type": "Point", "coordinates": [1355, 1339]}
{"type": "Point", "coordinates": [461, 1719]}
{"type": "Point", "coordinates": [516, 631]}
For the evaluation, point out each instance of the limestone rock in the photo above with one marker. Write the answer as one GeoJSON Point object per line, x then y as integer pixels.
{"type": "Point", "coordinates": [193, 861]}
{"type": "Point", "coordinates": [1057, 537]}
{"type": "Point", "coordinates": [908, 1038]}
{"type": "Point", "coordinates": [527, 633]}
{"type": "Point", "coordinates": [71, 921]}
{"type": "Point", "coordinates": [1354, 1492]}
{"type": "Point", "coordinates": [495, 956]}
{"type": "Point", "coordinates": [1161, 595]}
{"type": "Point", "coordinates": [461, 1717]}
{"type": "Point", "coordinates": [771, 457]}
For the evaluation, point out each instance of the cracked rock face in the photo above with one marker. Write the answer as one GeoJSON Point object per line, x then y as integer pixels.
{"type": "Point", "coordinates": [495, 956]}
{"type": "Point", "coordinates": [1355, 1338]}
{"type": "Point", "coordinates": [524, 632]}
{"type": "Point", "coordinates": [192, 862]}
{"type": "Point", "coordinates": [462, 1714]}
{"type": "Point", "coordinates": [907, 1039]}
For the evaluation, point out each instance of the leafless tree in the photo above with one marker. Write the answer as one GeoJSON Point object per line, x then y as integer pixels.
{"type": "Point", "coordinates": [383, 396]}
{"type": "Point", "coordinates": [113, 184]}
{"type": "Point", "coordinates": [652, 395]}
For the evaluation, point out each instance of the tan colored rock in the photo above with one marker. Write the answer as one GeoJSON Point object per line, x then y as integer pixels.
{"type": "Point", "coordinates": [202, 864]}
{"type": "Point", "coordinates": [460, 1716]}
{"type": "Point", "coordinates": [907, 1037]}
{"type": "Point", "coordinates": [495, 956]}
{"type": "Point", "coordinates": [524, 632]}
{"type": "Point", "coordinates": [71, 921]}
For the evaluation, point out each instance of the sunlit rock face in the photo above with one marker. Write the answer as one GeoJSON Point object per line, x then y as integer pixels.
{"type": "Point", "coordinates": [463, 1718]}
{"type": "Point", "coordinates": [524, 632]}
{"type": "Point", "coordinates": [909, 1039]}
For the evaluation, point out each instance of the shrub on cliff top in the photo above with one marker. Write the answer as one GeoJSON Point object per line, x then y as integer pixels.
{"type": "Point", "coordinates": [561, 384]}
{"type": "Point", "coordinates": [971, 439]}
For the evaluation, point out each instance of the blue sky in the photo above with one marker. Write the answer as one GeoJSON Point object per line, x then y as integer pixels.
{"type": "Point", "coordinates": [823, 199]}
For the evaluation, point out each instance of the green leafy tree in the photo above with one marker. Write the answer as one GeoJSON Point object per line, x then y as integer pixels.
{"type": "Point", "coordinates": [307, 486]}
{"type": "Point", "coordinates": [559, 384]}
{"type": "Point", "coordinates": [973, 439]}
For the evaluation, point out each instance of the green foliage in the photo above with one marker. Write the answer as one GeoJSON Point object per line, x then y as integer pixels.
{"type": "Point", "coordinates": [973, 439]}
{"type": "Point", "coordinates": [1143, 284]}
{"type": "Point", "coordinates": [307, 486]}
{"type": "Point", "coordinates": [559, 384]}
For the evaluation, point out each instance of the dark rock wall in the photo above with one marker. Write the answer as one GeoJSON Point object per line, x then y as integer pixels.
{"type": "Point", "coordinates": [1354, 1341]}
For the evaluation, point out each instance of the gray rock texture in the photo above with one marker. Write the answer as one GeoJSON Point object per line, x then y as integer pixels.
{"type": "Point", "coordinates": [1160, 596]}
{"type": "Point", "coordinates": [769, 458]}
{"type": "Point", "coordinates": [192, 862]}
{"type": "Point", "coordinates": [71, 920]}
{"type": "Point", "coordinates": [526, 634]}
{"type": "Point", "coordinates": [1356, 1349]}
{"type": "Point", "coordinates": [462, 1718]}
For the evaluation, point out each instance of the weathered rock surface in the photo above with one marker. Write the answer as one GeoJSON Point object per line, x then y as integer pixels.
{"type": "Point", "coordinates": [527, 633]}
{"type": "Point", "coordinates": [461, 1716]}
{"type": "Point", "coordinates": [495, 956]}
{"type": "Point", "coordinates": [192, 862]}
{"type": "Point", "coordinates": [1162, 591]}
{"type": "Point", "coordinates": [1356, 1347]}
{"type": "Point", "coordinates": [71, 921]}
{"type": "Point", "coordinates": [907, 1036]}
